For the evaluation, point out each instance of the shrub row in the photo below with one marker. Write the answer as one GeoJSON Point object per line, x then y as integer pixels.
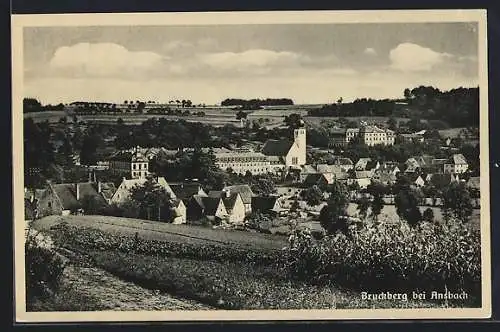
{"type": "Point", "coordinates": [85, 238]}
{"type": "Point", "coordinates": [381, 257]}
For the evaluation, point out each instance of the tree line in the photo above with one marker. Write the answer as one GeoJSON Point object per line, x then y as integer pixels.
{"type": "Point", "coordinates": [256, 103]}
{"type": "Point", "coordinates": [457, 107]}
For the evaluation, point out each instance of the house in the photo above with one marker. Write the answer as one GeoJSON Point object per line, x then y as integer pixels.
{"type": "Point", "coordinates": [318, 179]}
{"type": "Point", "coordinates": [164, 184]}
{"type": "Point", "coordinates": [386, 178]}
{"type": "Point", "coordinates": [456, 164]}
{"type": "Point", "coordinates": [293, 153]}
{"type": "Point", "coordinates": [179, 212]}
{"type": "Point", "coordinates": [416, 180]}
{"type": "Point", "coordinates": [211, 208]}
{"type": "Point", "coordinates": [129, 164]}
{"type": "Point", "coordinates": [233, 204]}
{"type": "Point", "coordinates": [66, 198]}
{"type": "Point", "coordinates": [246, 194]}
{"type": "Point", "coordinates": [305, 171]}
{"type": "Point", "coordinates": [366, 164]}
{"type": "Point", "coordinates": [345, 164]}
{"type": "Point", "coordinates": [268, 205]}
{"type": "Point", "coordinates": [362, 178]}
{"type": "Point", "coordinates": [185, 191]}
{"type": "Point", "coordinates": [122, 193]}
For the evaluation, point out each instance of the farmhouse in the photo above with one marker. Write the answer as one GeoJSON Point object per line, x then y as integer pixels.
{"type": "Point", "coordinates": [66, 198]}
{"type": "Point", "coordinates": [179, 212]}
{"type": "Point", "coordinates": [233, 204]}
{"type": "Point", "coordinates": [122, 193]}
{"type": "Point", "coordinates": [212, 208]}
{"type": "Point", "coordinates": [268, 205]}
{"type": "Point", "coordinates": [185, 191]}
{"type": "Point", "coordinates": [246, 194]}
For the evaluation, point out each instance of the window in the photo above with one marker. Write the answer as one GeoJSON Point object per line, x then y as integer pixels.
{"type": "Point", "coordinates": [295, 160]}
{"type": "Point", "coordinates": [49, 205]}
{"type": "Point", "coordinates": [133, 166]}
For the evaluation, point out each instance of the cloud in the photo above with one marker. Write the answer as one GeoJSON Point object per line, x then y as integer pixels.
{"type": "Point", "coordinates": [256, 59]}
{"type": "Point", "coordinates": [370, 51]}
{"type": "Point", "coordinates": [103, 60]}
{"type": "Point", "coordinates": [408, 57]}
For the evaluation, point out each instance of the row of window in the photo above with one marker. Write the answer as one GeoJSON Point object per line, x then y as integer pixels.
{"type": "Point", "coordinates": [141, 166]}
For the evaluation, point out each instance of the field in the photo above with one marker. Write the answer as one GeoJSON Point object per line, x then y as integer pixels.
{"type": "Point", "coordinates": [171, 275]}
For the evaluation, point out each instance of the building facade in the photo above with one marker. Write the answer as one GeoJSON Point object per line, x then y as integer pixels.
{"type": "Point", "coordinates": [133, 165]}
{"type": "Point", "coordinates": [371, 135]}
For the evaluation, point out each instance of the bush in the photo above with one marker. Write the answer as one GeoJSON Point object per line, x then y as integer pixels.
{"type": "Point", "coordinates": [382, 257]}
{"type": "Point", "coordinates": [44, 267]}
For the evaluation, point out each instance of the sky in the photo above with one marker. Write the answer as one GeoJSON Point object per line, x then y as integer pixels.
{"type": "Point", "coordinates": [309, 63]}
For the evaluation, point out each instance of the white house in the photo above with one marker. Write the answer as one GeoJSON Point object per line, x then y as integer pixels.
{"type": "Point", "coordinates": [457, 164]}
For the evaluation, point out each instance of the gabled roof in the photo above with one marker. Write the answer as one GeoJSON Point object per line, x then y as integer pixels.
{"type": "Point", "coordinates": [131, 183]}
{"type": "Point", "coordinates": [186, 190]}
{"type": "Point", "coordinates": [209, 204]}
{"type": "Point", "coordinates": [162, 182]}
{"type": "Point", "coordinates": [261, 203]}
{"type": "Point", "coordinates": [314, 179]}
{"type": "Point", "coordinates": [308, 169]}
{"type": "Point", "coordinates": [362, 163]}
{"type": "Point", "coordinates": [66, 192]}
{"type": "Point", "coordinates": [244, 190]}
{"type": "Point", "coordinates": [386, 177]}
{"type": "Point", "coordinates": [277, 147]}
{"type": "Point", "coordinates": [108, 189]}
{"type": "Point", "coordinates": [343, 161]}
{"type": "Point", "coordinates": [229, 201]}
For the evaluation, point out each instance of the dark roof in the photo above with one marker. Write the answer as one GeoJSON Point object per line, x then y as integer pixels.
{"type": "Point", "coordinates": [228, 201]}
{"type": "Point", "coordinates": [66, 192]}
{"type": "Point", "coordinates": [244, 190]}
{"type": "Point", "coordinates": [185, 190]}
{"type": "Point", "coordinates": [314, 179]}
{"type": "Point", "coordinates": [262, 203]}
{"type": "Point", "coordinates": [108, 189]}
{"type": "Point", "coordinates": [277, 147]}
{"type": "Point", "coordinates": [210, 205]}
{"type": "Point", "coordinates": [474, 182]}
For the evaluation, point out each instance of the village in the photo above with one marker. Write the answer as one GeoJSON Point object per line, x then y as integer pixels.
{"type": "Point", "coordinates": [272, 186]}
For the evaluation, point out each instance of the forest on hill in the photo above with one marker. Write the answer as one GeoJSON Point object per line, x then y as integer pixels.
{"type": "Point", "coordinates": [458, 107]}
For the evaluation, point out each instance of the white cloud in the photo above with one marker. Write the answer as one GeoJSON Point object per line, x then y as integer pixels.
{"type": "Point", "coordinates": [409, 57]}
{"type": "Point", "coordinates": [102, 60]}
{"type": "Point", "coordinates": [370, 51]}
{"type": "Point", "coordinates": [251, 60]}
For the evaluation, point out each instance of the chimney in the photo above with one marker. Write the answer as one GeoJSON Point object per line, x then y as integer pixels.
{"type": "Point", "coordinates": [227, 192]}
{"type": "Point", "coordinates": [99, 187]}
{"type": "Point", "coordinates": [77, 192]}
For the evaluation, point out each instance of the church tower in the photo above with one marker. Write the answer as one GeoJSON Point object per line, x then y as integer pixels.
{"type": "Point", "coordinates": [299, 136]}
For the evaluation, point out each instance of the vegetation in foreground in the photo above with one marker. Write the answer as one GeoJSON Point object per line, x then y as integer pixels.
{"type": "Point", "coordinates": [222, 277]}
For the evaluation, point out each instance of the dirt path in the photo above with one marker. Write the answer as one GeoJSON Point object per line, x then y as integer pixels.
{"type": "Point", "coordinates": [115, 294]}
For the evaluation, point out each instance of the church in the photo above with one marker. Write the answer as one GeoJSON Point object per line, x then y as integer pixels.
{"type": "Point", "coordinates": [287, 153]}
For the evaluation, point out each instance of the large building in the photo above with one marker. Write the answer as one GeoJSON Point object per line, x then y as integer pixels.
{"type": "Point", "coordinates": [370, 135]}
{"type": "Point", "coordinates": [275, 157]}
{"type": "Point", "coordinates": [241, 162]}
{"type": "Point", "coordinates": [292, 153]}
{"type": "Point", "coordinates": [132, 165]}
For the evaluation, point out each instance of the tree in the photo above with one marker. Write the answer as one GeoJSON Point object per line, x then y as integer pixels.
{"type": "Point", "coordinates": [153, 200]}
{"type": "Point", "coordinates": [333, 216]}
{"type": "Point", "coordinates": [264, 186]}
{"type": "Point", "coordinates": [293, 120]}
{"type": "Point", "coordinates": [377, 205]}
{"type": "Point", "coordinates": [313, 195]}
{"type": "Point", "coordinates": [31, 105]}
{"type": "Point", "coordinates": [457, 202]}
{"type": "Point", "coordinates": [88, 153]}
{"type": "Point", "coordinates": [241, 115]}
{"type": "Point", "coordinates": [406, 202]}
{"type": "Point", "coordinates": [392, 124]}
{"type": "Point", "coordinates": [428, 215]}
{"type": "Point", "coordinates": [363, 205]}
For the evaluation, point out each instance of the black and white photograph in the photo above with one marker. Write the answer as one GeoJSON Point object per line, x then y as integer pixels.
{"type": "Point", "coordinates": [251, 166]}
